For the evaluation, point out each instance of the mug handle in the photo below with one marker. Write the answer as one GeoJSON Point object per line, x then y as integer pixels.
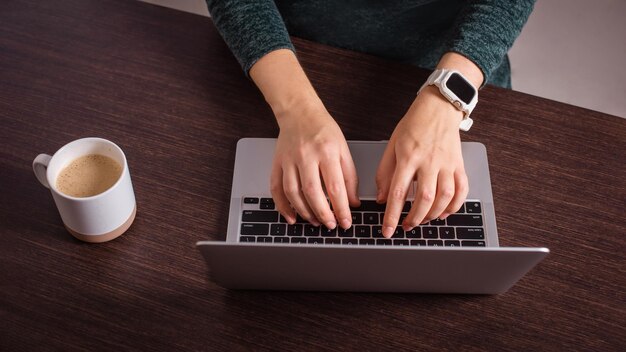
{"type": "Point", "coordinates": [40, 167]}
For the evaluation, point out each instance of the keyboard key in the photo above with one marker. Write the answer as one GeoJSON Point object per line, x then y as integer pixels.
{"type": "Point", "coordinates": [294, 230]}
{"type": "Point", "coordinates": [402, 216]}
{"type": "Point", "coordinates": [247, 239]}
{"type": "Point", "coordinates": [437, 222]}
{"type": "Point", "coordinates": [326, 232]}
{"type": "Point", "coordinates": [470, 233]}
{"type": "Point", "coordinates": [407, 207]}
{"type": "Point", "coordinates": [398, 233]}
{"type": "Point", "coordinates": [418, 242]}
{"type": "Point", "coordinates": [371, 205]}
{"type": "Point", "coordinates": [281, 240]}
{"type": "Point", "coordinates": [362, 231]}
{"type": "Point", "coordinates": [473, 243]}
{"type": "Point", "coordinates": [461, 210]}
{"type": "Point", "coordinates": [255, 229]}
{"type": "Point", "coordinates": [367, 241]}
{"type": "Point", "coordinates": [446, 232]}
{"type": "Point", "coordinates": [473, 207]}
{"type": "Point", "coordinates": [465, 220]}
{"type": "Point", "coordinates": [415, 233]}
{"type": "Point", "coordinates": [357, 218]}
{"type": "Point", "coordinates": [310, 230]}
{"type": "Point", "coordinates": [370, 218]}
{"type": "Point", "coordinates": [332, 241]}
{"type": "Point", "coordinates": [267, 206]}
{"type": "Point", "coordinates": [267, 201]}
{"type": "Point", "coordinates": [300, 220]}
{"type": "Point", "coordinates": [298, 240]}
{"type": "Point", "coordinates": [264, 239]}
{"type": "Point", "coordinates": [346, 233]}
{"type": "Point", "coordinates": [451, 243]}
{"type": "Point", "coordinates": [430, 232]}
{"type": "Point", "coordinates": [435, 243]}
{"type": "Point", "coordinates": [400, 242]}
{"type": "Point", "coordinates": [377, 232]}
{"type": "Point", "coordinates": [316, 240]}
{"type": "Point", "coordinates": [349, 241]}
{"type": "Point", "coordinates": [281, 219]}
{"type": "Point", "coordinates": [384, 242]}
{"type": "Point", "coordinates": [250, 200]}
{"type": "Point", "coordinates": [278, 229]}
{"type": "Point", "coordinates": [259, 216]}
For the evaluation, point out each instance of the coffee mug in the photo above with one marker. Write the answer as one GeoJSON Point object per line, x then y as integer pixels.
{"type": "Point", "coordinates": [97, 218]}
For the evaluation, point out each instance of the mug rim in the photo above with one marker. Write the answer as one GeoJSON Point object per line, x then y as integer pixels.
{"type": "Point", "coordinates": [53, 186]}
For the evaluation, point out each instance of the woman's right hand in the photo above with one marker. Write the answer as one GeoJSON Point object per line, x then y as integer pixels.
{"type": "Point", "coordinates": [312, 155]}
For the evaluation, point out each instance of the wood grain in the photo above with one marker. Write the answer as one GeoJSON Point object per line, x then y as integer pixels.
{"type": "Point", "coordinates": [162, 85]}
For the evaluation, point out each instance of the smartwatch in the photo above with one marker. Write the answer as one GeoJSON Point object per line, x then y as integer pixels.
{"type": "Point", "coordinates": [457, 90]}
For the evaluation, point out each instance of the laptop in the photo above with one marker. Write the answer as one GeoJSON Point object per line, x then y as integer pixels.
{"type": "Point", "coordinates": [460, 254]}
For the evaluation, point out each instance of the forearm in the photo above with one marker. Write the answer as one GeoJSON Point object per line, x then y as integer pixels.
{"type": "Point", "coordinates": [280, 78]}
{"type": "Point", "coordinates": [250, 28]}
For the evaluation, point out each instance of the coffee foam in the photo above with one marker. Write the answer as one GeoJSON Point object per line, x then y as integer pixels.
{"type": "Point", "coordinates": [88, 175]}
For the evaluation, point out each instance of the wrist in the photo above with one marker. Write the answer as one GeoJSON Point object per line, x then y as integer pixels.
{"type": "Point", "coordinates": [298, 109]}
{"type": "Point", "coordinates": [430, 97]}
{"type": "Point", "coordinates": [458, 62]}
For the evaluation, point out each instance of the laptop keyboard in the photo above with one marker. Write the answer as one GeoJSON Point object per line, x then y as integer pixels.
{"type": "Point", "coordinates": [261, 223]}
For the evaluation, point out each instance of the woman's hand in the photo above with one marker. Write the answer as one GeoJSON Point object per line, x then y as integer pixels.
{"type": "Point", "coordinates": [311, 152]}
{"type": "Point", "coordinates": [310, 145]}
{"type": "Point", "coordinates": [425, 146]}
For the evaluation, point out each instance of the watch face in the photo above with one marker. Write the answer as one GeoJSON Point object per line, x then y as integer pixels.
{"type": "Point", "coordinates": [461, 88]}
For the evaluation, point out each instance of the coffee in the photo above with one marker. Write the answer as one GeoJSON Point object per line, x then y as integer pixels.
{"type": "Point", "coordinates": [88, 176]}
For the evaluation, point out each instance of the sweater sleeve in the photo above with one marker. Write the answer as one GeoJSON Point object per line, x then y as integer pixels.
{"type": "Point", "coordinates": [250, 28]}
{"type": "Point", "coordinates": [486, 29]}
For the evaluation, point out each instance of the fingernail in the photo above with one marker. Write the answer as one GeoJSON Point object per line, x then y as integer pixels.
{"type": "Point", "coordinates": [315, 223]}
{"type": "Point", "coordinates": [387, 231]}
{"type": "Point", "coordinates": [407, 227]}
{"type": "Point", "coordinates": [444, 216]}
{"type": "Point", "coordinates": [331, 225]}
{"type": "Point", "coordinates": [345, 223]}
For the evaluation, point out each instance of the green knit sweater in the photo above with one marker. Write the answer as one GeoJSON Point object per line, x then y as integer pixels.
{"type": "Point", "coordinates": [418, 32]}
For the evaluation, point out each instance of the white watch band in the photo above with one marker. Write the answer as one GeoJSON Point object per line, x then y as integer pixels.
{"type": "Point", "coordinates": [438, 78]}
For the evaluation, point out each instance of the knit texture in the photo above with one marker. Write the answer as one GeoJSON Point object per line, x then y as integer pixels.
{"type": "Point", "coordinates": [418, 32]}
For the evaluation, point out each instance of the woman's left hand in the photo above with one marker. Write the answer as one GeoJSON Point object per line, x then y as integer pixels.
{"type": "Point", "coordinates": [425, 146]}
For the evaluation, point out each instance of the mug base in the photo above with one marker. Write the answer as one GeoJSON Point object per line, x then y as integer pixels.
{"type": "Point", "coordinates": [105, 237]}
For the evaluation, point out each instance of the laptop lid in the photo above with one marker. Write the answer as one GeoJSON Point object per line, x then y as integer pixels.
{"type": "Point", "coordinates": [368, 268]}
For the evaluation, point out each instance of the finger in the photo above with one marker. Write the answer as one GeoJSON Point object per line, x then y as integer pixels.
{"type": "Point", "coordinates": [280, 199]}
{"type": "Point", "coordinates": [402, 178]}
{"type": "Point", "coordinates": [351, 179]}
{"type": "Point", "coordinates": [336, 189]}
{"type": "Point", "coordinates": [291, 186]}
{"type": "Point", "coordinates": [384, 174]}
{"type": "Point", "coordinates": [445, 193]}
{"type": "Point", "coordinates": [314, 194]}
{"type": "Point", "coordinates": [460, 194]}
{"type": "Point", "coordinates": [424, 197]}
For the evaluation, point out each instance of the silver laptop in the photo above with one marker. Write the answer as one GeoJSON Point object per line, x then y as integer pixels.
{"type": "Point", "coordinates": [460, 254]}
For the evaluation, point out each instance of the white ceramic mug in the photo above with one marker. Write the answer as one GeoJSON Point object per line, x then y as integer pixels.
{"type": "Point", "coordinates": [98, 218]}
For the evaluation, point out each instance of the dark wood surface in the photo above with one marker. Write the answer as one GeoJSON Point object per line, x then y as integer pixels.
{"type": "Point", "coordinates": [163, 85]}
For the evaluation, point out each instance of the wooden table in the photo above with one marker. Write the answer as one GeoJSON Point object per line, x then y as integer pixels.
{"type": "Point", "coordinates": [163, 85]}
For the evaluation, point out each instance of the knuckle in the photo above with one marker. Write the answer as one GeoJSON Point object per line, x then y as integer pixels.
{"type": "Point", "coordinates": [309, 188]}
{"type": "Point", "coordinates": [426, 195]}
{"type": "Point", "coordinates": [447, 192]}
{"type": "Point", "coordinates": [397, 194]}
{"type": "Point", "coordinates": [291, 190]}
{"type": "Point", "coordinates": [334, 188]}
